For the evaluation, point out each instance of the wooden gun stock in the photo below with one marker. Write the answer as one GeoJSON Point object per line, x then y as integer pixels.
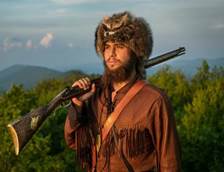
{"type": "Point", "coordinates": [24, 128]}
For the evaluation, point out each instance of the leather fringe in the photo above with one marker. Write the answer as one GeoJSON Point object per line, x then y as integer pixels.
{"type": "Point", "coordinates": [135, 141]}
{"type": "Point", "coordinates": [138, 142]}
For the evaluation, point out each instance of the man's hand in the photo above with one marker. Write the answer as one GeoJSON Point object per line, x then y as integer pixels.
{"type": "Point", "coordinates": [85, 84]}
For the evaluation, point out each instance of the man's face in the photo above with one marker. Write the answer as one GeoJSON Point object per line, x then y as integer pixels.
{"type": "Point", "coordinates": [119, 62]}
{"type": "Point", "coordinates": [116, 55]}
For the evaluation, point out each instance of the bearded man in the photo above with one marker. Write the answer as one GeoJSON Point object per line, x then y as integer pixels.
{"type": "Point", "coordinates": [125, 124]}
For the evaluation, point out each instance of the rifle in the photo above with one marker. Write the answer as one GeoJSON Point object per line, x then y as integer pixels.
{"type": "Point", "coordinates": [24, 128]}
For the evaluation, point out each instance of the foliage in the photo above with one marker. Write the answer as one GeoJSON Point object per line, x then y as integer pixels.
{"type": "Point", "coordinates": [202, 130]}
{"type": "Point", "coordinates": [13, 103]}
{"type": "Point", "coordinates": [198, 105]}
{"type": "Point", "coordinates": [176, 85]}
{"type": "Point", "coordinates": [47, 145]}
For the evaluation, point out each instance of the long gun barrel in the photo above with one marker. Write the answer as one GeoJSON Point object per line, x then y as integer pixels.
{"type": "Point", "coordinates": [24, 128]}
{"type": "Point", "coordinates": [164, 57]}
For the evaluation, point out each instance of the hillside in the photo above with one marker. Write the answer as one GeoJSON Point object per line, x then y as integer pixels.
{"type": "Point", "coordinates": [28, 76]}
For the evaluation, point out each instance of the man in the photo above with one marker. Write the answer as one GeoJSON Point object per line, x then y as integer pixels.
{"type": "Point", "coordinates": [124, 124]}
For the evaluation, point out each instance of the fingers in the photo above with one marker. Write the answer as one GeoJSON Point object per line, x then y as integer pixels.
{"type": "Point", "coordinates": [93, 88]}
{"type": "Point", "coordinates": [77, 101]}
{"type": "Point", "coordinates": [89, 94]}
{"type": "Point", "coordinates": [83, 83]}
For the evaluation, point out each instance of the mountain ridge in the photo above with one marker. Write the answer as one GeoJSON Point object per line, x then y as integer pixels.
{"type": "Point", "coordinates": [30, 75]}
{"type": "Point", "coordinates": [27, 75]}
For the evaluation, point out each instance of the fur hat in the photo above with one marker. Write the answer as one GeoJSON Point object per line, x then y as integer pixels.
{"type": "Point", "coordinates": [124, 27]}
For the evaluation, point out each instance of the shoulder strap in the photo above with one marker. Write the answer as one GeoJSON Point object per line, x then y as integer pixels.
{"type": "Point", "coordinates": [118, 109]}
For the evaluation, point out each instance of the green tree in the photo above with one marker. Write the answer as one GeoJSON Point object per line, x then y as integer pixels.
{"type": "Point", "coordinates": [202, 76]}
{"type": "Point", "coordinates": [47, 90]}
{"type": "Point", "coordinates": [46, 151]}
{"type": "Point", "coordinates": [13, 103]}
{"type": "Point", "coordinates": [175, 84]}
{"type": "Point", "coordinates": [202, 133]}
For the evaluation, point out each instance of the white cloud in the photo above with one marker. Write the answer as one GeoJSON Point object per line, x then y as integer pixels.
{"type": "Point", "coordinates": [219, 26]}
{"type": "Point", "coordinates": [60, 12]}
{"type": "Point", "coordinates": [70, 45]}
{"type": "Point", "coordinates": [73, 1]}
{"type": "Point", "coordinates": [68, 2]}
{"type": "Point", "coordinates": [46, 40]}
{"type": "Point", "coordinates": [29, 44]}
{"type": "Point", "coordinates": [9, 43]}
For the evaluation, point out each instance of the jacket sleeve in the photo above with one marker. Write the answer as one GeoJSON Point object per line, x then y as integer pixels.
{"type": "Point", "coordinates": [71, 125]}
{"type": "Point", "coordinates": [165, 136]}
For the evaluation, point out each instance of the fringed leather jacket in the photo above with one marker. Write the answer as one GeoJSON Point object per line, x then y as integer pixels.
{"type": "Point", "coordinates": [144, 134]}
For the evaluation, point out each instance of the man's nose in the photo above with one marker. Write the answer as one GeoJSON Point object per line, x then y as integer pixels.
{"type": "Point", "coordinates": [113, 52]}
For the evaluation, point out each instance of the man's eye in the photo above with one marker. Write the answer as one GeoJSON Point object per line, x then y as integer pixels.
{"type": "Point", "coordinates": [120, 46]}
{"type": "Point", "coordinates": [106, 47]}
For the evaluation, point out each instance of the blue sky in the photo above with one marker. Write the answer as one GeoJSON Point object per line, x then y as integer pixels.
{"type": "Point", "coordinates": [59, 34]}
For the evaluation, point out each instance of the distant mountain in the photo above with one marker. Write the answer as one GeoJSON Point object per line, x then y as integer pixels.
{"type": "Point", "coordinates": [26, 75]}
{"type": "Point", "coordinates": [188, 66]}
{"type": "Point", "coordinates": [29, 76]}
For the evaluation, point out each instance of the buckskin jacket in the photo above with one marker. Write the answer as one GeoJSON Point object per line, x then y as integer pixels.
{"type": "Point", "coordinates": [144, 134]}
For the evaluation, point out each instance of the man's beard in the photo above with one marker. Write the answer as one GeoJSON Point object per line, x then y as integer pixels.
{"type": "Point", "coordinates": [120, 74]}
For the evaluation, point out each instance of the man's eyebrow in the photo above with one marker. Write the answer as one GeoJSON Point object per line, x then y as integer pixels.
{"type": "Point", "coordinates": [120, 43]}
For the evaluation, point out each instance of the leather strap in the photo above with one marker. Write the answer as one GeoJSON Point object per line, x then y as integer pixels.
{"type": "Point", "coordinates": [118, 109]}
